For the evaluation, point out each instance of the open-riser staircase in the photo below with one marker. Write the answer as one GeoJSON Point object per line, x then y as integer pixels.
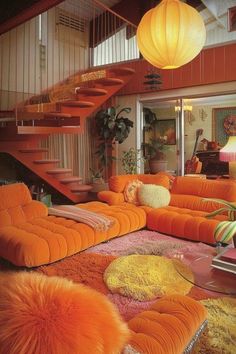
{"type": "Point", "coordinates": [22, 140]}
{"type": "Point", "coordinates": [29, 153]}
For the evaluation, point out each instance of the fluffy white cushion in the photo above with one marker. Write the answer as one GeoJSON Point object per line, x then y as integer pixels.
{"type": "Point", "coordinates": [153, 195]}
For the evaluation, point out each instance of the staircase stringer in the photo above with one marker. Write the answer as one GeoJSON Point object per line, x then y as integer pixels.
{"type": "Point", "coordinates": [13, 148]}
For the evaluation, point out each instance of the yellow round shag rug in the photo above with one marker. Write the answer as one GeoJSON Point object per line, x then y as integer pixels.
{"type": "Point", "coordinates": [145, 277]}
{"type": "Point", "coordinates": [220, 335]}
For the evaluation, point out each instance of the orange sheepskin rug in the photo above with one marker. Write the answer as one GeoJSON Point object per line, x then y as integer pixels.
{"type": "Point", "coordinates": [52, 315]}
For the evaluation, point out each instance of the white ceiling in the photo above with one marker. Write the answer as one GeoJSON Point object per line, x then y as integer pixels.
{"type": "Point", "coordinates": [215, 16]}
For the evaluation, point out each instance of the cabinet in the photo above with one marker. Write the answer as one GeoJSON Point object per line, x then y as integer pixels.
{"type": "Point", "coordinates": [211, 165]}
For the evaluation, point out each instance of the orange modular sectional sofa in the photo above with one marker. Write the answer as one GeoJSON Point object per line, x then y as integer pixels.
{"type": "Point", "coordinates": [185, 216]}
{"type": "Point", "coordinates": [30, 237]}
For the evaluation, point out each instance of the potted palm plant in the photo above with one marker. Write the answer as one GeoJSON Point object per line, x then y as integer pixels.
{"type": "Point", "coordinates": [225, 230]}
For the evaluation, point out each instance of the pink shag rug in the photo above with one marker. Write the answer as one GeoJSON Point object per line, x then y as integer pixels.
{"type": "Point", "coordinates": [88, 266]}
{"type": "Point", "coordinates": [146, 242]}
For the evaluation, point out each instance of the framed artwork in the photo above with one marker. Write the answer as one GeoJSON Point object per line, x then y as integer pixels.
{"type": "Point", "coordinates": [232, 19]}
{"type": "Point", "coordinates": [223, 124]}
{"type": "Point", "coordinates": [166, 127]}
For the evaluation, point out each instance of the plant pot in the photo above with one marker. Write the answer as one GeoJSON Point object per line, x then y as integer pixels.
{"type": "Point", "coordinates": [98, 187]}
{"type": "Point", "coordinates": [157, 165]}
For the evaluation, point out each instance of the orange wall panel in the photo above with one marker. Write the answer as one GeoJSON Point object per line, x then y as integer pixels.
{"type": "Point", "coordinates": [212, 65]}
{"type": "Point", "coordinates": [219, 69]}
{"type": "Point", "coordinates": [230, 62]}
{"type": "Point", "coordinates": [196, 65]}
{"type": "Point", "coordinates": [208, 65]}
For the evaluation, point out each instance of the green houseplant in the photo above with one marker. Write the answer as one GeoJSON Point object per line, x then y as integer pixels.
{"type": "Point", "coordinates": [154, 150]}
{"type": "Point", "coordinates": [154, 145]}
{"type": "Point", "coordinates": [130, 160]}
{"type": "Point", "coordinates": [225, 230]}
{"type": "Point", "coordinates": [149, 118]}
{"type": "Point", "coordinates": [111, 127]}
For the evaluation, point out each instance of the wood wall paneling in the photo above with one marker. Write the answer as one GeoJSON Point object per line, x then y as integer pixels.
{"type": "Point", "coordinates": [230, 62]}
{"type": "Point", "coordinates": [208, 66]}
{"type": "Point", "coordinates": [212, 65]}
{"type": "Point", "coordinates": [219, 69]}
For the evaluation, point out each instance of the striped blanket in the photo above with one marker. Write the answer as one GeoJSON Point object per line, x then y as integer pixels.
{"type": "Point", "coordinates": [96, 221]}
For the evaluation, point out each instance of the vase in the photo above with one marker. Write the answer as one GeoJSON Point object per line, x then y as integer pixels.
{"type": "Point", "coordinates": [157, 165]}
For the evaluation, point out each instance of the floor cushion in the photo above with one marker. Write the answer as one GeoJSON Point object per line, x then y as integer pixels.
{"type": "Point", "coordinates": [172, 325]}
{"type": "Point", "coordinates": [145, 277]}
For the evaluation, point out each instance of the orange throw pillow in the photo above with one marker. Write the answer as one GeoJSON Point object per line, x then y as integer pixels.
{"type": "Point", "coordinates": [131, 191]}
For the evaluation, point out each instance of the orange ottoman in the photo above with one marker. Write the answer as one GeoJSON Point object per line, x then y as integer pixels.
{"type": "Point", "coordinates": [171, 326]}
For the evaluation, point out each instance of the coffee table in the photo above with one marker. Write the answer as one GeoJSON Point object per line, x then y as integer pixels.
{"type": "Point", "coordinates": [205, 276]}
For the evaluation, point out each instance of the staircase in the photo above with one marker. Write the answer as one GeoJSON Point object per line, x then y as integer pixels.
{"type": "Point", "coordinates": [68, 115]}
{"type": "Point", "coordinates": [30, 155]}
{"type": "Point", "coordinates": [21, 138]}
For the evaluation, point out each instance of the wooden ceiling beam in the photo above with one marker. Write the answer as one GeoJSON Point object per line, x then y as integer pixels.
{"type": "Point", "coordinates": [27, 13]}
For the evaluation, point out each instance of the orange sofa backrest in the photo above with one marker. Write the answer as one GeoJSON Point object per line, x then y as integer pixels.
{"type": "Point", "coordinates": [117, 183]}
{"type": "Point", "coordinates": [188, 192]}
{"type": "Point", "coordinates": [17, 206]}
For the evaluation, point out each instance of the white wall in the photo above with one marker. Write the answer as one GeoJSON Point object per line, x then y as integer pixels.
{"type": "Point", "coordinates": [30, 64]}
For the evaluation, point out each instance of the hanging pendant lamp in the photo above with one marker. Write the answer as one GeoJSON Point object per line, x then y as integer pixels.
{"type": "Point", "coordinates": [171, 34]}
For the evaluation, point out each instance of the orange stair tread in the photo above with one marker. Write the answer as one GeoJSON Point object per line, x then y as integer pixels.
{"type": "Point", "coordinates": [76, 103]}
{"type": "Point", "coordinates": [70, 179]}
{"type": "Point", "coordinates": [91, 91]}
{"type": "Point", "coordinates": [56, 171]}
{"type": "Point", "coordinates": [45, 161]}
{"type": "Point", "coordinates": [33, 150]}
{"type": "Point", "coordinates": [110, 81]}
{"type": "Point", "coordinates": [81, 188]}
{"type": "Point", "coordinates": [57, 115]}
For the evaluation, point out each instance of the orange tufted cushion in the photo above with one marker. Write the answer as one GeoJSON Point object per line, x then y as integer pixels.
{"type": "Point", "coordinates": [118, 183]}
{"type": "Point", "coordinates": [205, 188]}
{"type": "Point", "coordinates": [182, 222]}
{"type": "Point", "coordinates": [16, 205]}
{"type": "Point", "coordinates": [168, 326]}
{"type": "Point", "coordinates": [111, 198]}
{"type": "Point", "coordinates": [47, 239]}
{"type": "Point", "coordinates": [52, 315]}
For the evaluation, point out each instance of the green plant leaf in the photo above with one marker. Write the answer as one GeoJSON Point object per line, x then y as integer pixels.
{"type": "Point", "coordinates": [220, 201]}
{"type": "Point", "coordinates": [126, 110]}
{"type": "Point", "coordinates": [219, 229]}
{"type": "Point", "coordinates": [229, 231]}
{"type": "Point", "coordinates": [216, 212]}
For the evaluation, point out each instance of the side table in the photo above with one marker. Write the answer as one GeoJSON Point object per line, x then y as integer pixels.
{"type": "Point", "coordinates": [205, 276]}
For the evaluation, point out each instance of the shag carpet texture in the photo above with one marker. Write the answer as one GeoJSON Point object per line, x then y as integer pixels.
{"type": "Point", "coordinates": [146, 277]}
{"type": "Point", "coordinates": [88, 267]}
{"type": "Point", "coordinates": [220, 336]}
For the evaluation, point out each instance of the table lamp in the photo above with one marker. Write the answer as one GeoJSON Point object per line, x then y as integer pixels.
{"type": "Point", "coordinates": [228, 154]}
